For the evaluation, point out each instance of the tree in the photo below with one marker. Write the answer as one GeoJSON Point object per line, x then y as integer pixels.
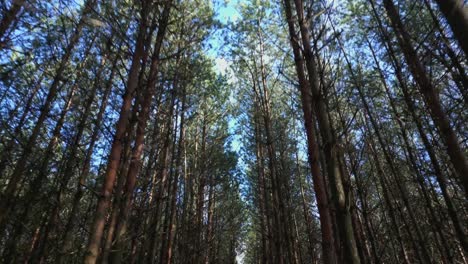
{"type": "Point", "coordinates": [226, 132]}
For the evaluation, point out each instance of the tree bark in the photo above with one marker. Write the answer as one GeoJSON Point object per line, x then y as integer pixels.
{"type": "Point", "coordinates": [84, 171]}
{"type": "Point", "coordinates": [440, 176]}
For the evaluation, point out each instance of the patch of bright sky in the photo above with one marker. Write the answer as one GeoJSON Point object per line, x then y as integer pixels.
{"type": "Point", "coordinates": [225, 12]}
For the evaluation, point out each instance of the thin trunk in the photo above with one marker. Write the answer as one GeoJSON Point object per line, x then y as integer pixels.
{"type": "Point", "coordinates": [437, 227]}
{"type": "Point", "coordinates": [166, 253]}
{"type": "Point", "coordinates": [209, 229]}
{"type": "Point", "coordinates": [201, 193]}
{"type": "Point", "coordinates": [47, 156]}
{"type": "Point", "coordinates": [305, 211]}
{"type": "Point", "coordinates": [261, 193]}
{"type": "Point", "coordinates": [461, 78]}
{"type": "Point", "coordinates": [165, 159]}
{"type": "Point", "coordinates": [67, 239]}
{"type": "Point", "coordinates": [381, 175]}
{"type": "Point", "coordinates": [6, 151]}
{"type": "Point", "coordinates": [36, 184]}
{"type": "Point", "coordinates": [281, 237]}
{"type": "Point", "coordinates": [357, 82]}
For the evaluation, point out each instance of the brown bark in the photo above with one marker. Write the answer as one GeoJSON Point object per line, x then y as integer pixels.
{"type": "Point", "coordinates": [72, 158]}
{"type": "Point", "coordinates": [116, 149]}
{"type": "Point", "coordinates": [118, 199]}
{"type": "Point", "coordinates": [264, 223]}
{"type": "Point", "coordinates": [47, 156]}
{"type": "Point", "coordinates": [83, 173]}
{"type": "Point", "coordinates": [164, 160]}
{"type": "Point", "coordinates": [167, 248]}
{"type": "Point", "coordinates": [119, 188]}
{"type": "Point", "coordinates": [284, 249]}
{"type": "Point", "coordinates": [135, 163]}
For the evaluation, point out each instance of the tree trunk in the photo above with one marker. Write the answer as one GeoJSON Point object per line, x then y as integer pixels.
{"type": "Point", "coordinates": [18, 128]}
{"type": "Point", "coordinates": [381, 175]}
{"type": "Point", "coordinates": [457, 16]}
{"type": "Point", "coordinates": [166, 252]}
{"type": "Point", "coordinates": [437, 227]}
{"type": "Point", "coordinates": [97, 228]}
{"type": "Point", "coordinates": [461, 78]}
{"type": "Point", "coordinates": [83, 173]}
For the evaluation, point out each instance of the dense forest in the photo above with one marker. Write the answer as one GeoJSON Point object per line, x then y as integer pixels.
{"type": "Point", "coordinates": [242, 131]}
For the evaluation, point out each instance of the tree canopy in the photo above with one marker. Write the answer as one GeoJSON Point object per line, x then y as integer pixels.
{"type": "Point", "coordinates": [228, 131]}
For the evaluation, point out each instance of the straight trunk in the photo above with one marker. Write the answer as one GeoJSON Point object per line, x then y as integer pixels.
{"type": "Point", "coordinates": [97, 228]}
{"type": "Point", "coordinates": [6, 151]}
{"type": "Point", "coordinates": [166, 252]}
{"type": "Point", "coordinates": [381, 175]}
{"type": "Point", "coordinates": [83, 174]}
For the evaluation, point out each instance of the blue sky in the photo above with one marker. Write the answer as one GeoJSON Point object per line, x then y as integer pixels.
{"type": "Point", "coordinates": [227, 10]}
